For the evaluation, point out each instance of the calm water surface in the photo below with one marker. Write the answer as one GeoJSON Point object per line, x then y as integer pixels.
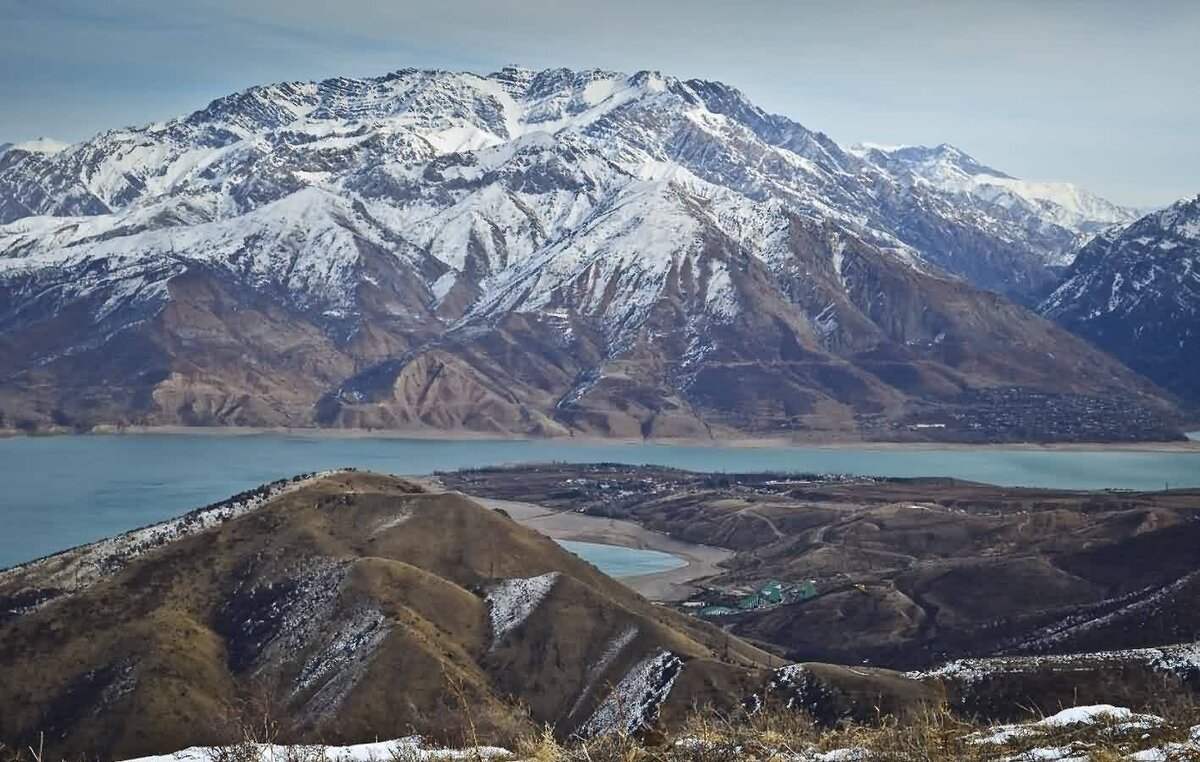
{"type": "Point", "coordinates": [623, 562]}
{"type": "Point", "coordinates": [63, 491]}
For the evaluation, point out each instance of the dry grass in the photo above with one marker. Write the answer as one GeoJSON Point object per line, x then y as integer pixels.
{"type": "Point", "coordinates": [778, 735]}
{"type": "Point", "coordinates": [935, 736]}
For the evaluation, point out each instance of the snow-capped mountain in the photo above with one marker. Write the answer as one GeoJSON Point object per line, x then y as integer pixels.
{"type": "Point", "coordinates": [1051, 218]}
{"type": "Point", "coordinates": [1135, 292]}
{"type": "Point", "coordinates": [42, 145]}
{"type": "Point", "coordinates": [257, 146]}
{"type": "Point", "coordinates": [533, 251]}
{"type": "Point", "coordinates": [950, 169]}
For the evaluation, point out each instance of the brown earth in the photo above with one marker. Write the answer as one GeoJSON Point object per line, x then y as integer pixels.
{"type": "Point", "coordinates": [912, 355]}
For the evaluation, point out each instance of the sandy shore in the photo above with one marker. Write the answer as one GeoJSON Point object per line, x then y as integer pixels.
{"type": "Point", "coordinates": [820, 442]}
{"type": "Point", "coordinates": [672, 585]}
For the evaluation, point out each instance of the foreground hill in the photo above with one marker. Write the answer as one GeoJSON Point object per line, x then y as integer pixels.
{"type": "Point", "coordinates": [1135, 292]}
{"type": "Point", "coordinates": [538, 253]}
{"type": "Point", "coordinates": [357, 606]}
{"type": "Point", "coordinates": [346, 607]}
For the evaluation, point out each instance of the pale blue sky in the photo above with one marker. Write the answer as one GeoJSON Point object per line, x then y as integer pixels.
{"type": "Point", "coordinates": [1101, 93]}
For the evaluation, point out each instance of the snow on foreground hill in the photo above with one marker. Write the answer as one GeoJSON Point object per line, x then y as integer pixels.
{"type": "Point", "coordinates": [1076, 734]}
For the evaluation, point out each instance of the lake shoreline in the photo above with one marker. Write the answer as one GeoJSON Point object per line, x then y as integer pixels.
{"type": "Point", "coordinates": [65, 491]}
{"type": "Point", "coordinates": [672, 585]}
{"type": "Point", "coordinates": [1192, 444]}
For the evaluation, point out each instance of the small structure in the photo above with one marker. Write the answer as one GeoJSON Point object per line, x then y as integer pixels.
{"type": "Point", "coordinates": [771, 594]}
{"type": "Point", "coordinates": [805, 590]}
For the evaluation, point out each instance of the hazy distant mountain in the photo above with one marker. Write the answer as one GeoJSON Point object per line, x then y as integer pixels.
{"type": "Point", "coordinates": [1048, 220]}
{"type": "Point", "coordinates": [539, 252]}
{"type": "Point", "coordinates": [948, 168]}
{"type": "Point", "coordinates": [1135, 292]}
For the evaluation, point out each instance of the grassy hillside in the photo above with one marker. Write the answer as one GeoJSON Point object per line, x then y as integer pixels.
{"type": "Point", "coordinates": [364, 607]}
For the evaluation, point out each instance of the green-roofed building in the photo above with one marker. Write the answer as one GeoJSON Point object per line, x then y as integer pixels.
{"type": "Point", "coordinates": [771, 593]}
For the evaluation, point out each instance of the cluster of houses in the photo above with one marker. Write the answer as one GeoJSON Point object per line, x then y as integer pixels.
{"type": "Point", "coordinates": [770, 594]}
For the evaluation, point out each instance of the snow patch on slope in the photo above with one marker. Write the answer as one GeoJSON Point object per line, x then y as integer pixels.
{"type": "Point", "coordinates": [411, 748]}
{"type": "Point", "coordinates": [601, 665]}
{"type": "Point", "coordinates": [511, 601]}
{"type": "Point", "coordinates": [1182, 660]}
{"type": "Point", "coordinates": [633, 704]}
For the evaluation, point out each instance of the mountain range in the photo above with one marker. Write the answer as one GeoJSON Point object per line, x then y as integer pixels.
{"type": "Point", "coordinates": [548, 253]}
{"type": "Point", "coordinates": [1135, 292]}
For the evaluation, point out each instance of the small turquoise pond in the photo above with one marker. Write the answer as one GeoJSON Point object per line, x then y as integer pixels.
{"type": "Point", "coordinates": [623, 562]}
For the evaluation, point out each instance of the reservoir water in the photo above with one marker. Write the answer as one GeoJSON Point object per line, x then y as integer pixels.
{"type": "Point", "coordinates": [64, 491]}
{"type": "Point", "coordinates": [616, 561]}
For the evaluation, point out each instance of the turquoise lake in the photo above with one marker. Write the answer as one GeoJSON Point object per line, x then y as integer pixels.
{"type": "Point", "coordinates": [623, 562]}
{"type": "Point", "coordinates": [68, 490]}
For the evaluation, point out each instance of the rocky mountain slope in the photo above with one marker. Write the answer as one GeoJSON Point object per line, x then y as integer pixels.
{"type": "Point", "coordinates": [534, 252]}
{"type": "Point", "coordinates": [1135, 292]}
{"type": "Point", "coordinates": [357, 606]}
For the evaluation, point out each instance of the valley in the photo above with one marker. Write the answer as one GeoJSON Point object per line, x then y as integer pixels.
{"type": "Point", "coordinates": [701, 561]}
{"type": "Point", "coordinates": [907, 573]}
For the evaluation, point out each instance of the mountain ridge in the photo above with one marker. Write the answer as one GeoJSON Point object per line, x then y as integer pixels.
{"type": "Point", "coordinates": [566, 251]}
{"type": "Point", "coordinates": [327, 592]}
{"type": "Point", "coordinates": [1135, 292]}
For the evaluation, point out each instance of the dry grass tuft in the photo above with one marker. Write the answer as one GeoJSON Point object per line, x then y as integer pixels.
{"type": "Point", "coordinates": [775, 734]}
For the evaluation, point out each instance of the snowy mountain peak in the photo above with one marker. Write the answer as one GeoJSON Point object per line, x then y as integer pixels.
{"type": "Point", "coordinates": [40, 145]}
{"type": "Point", "coordinates": [940, 159]}
{"type": "Point", "coordinates": [1135, 291]}
{"type": "Point", "coordinates": [1182, 218]}
{"type": "Point", "coordinates": [599, 216]}
{"type": "Point", "coordinates": [952, 170]}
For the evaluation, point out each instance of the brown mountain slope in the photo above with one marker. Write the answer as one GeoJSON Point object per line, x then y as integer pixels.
{"type": "Point", "coordinates": [365, 608]}
{"type": "Point", "coordinates": [832, 337]}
